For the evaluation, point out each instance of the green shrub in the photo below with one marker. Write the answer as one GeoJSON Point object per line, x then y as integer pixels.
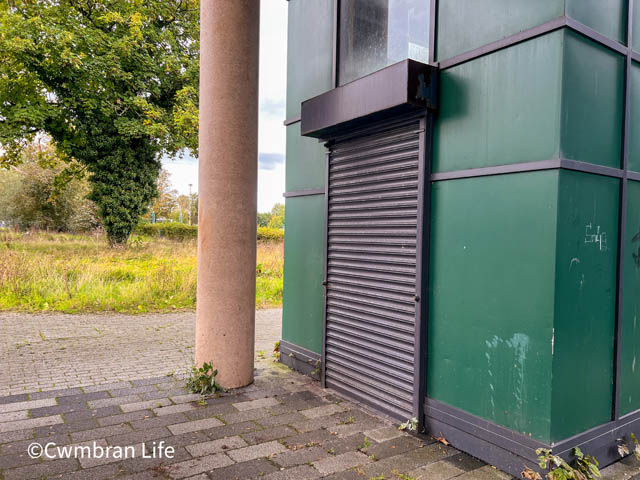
{"type": "Point", "coordinates": [173, 231]}
{"type": "Point", "coordinates": [270, 234]}
{"type": "Point", "coordinates": [179, 231]}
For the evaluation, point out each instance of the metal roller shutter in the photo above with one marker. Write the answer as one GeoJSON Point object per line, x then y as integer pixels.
{"type": "Point", "coordinates": [372, 231]}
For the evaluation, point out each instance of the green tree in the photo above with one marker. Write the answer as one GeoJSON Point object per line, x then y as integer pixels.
{"type": "Point", "coordinates": [31, 196]}
{"type": "Point", "coordinates": [114, 83]}
{"type": "Point", "coordinates": [166, 203]}
{"type": "Point", "coordinates": [277, 216]}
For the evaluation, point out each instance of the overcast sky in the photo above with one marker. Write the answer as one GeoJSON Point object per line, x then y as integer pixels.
{"type": "Point", "coordinates": [272, 134]}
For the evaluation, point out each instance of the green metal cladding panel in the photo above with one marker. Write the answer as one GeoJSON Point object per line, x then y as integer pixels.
{"type": "Point", "coordinates": [585, 297]}
{"type": "Point", "coordinates": [592, 102]}
{"type": "Point", "coordinates": [491, 301]}
{"type": "Point", "coordinates": [306, 161]}
{"type": "Point", "coordinates": [486, 119]}
{"type": "Point", "coordinates": [608, 17]}
{"type": "Point", "coordinates": [634, 138]}
{"type": "Point", "coordinates": [636, 26]}
{"type": "Point", "coordinates": [310, 51]}
{"type": "Point", "coordinates": [464, 25]}
{"type": "Point", "coordinates": [630, 348]}
{"type": "Point", "coordinates": [303, 271]}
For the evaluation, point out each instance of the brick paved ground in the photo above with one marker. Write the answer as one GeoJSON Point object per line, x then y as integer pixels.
{"type": "Point", "coordinates": [281, 427]}
{"type": "Point", "coordinates": [49, 351]}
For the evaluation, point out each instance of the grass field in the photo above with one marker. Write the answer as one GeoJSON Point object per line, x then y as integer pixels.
{"type": "Point", "coordinates": [79, 273]}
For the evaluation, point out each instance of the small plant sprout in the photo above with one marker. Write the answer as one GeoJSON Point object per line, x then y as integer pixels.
{"type": "Point", "coordinates": [410, 425]}
{"type": "Point", "coordinates": [203, 380]}
{"type": "Point", "coordinates": [586, 467]}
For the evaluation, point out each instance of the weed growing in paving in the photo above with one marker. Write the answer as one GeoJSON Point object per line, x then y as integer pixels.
{"type": "Point", "coordinates": [203, 380]}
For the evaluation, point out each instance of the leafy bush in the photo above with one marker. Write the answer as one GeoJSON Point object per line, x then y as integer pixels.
{"type": "Point", "coordinates": [173, 231]}
{"type": "Point", "coordinates": [270, 234]}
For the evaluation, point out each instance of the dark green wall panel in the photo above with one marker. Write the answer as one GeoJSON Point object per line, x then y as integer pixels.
{"type": "Point", "coordinates": [303, 271]}
{"type": "Point", "coordinates": [634, 138]}
{"type": "Point", "coordinates": [607, 17]}
{"type": "Point", "coordinates": [585, 303]}
{"type": "Point", "coordinates": [309, 51]}
{"type": "Point", "coordinates": [630, 348]}
{"type": "Point", "coordinates": [636, 26]}
{"type": "Point", "coordinates": [592, 102]}
{"type": "Point", "coordinates": [306, 161]}
{"type": "Point", "coordinates": [486, 119]}
{"type": "Point", "coordinates": [492, 298]}
{"type": "Point", "coordinates": [467, 24]}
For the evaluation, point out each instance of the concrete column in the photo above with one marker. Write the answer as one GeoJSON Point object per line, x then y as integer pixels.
{"type": "Point", "coordinates": [228, 180]}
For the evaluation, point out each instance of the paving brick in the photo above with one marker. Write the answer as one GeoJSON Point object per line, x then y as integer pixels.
{"type": "Point", "coordinates": [156, 465]}
{"type": "Point", "coordinates": [30, 423]}
{"type": "Point", "coordinates": [393, 447]}
{"type": "Point", "coordinates": [58, 409]}
{"type": "Point", "coordinates": [185, 398]}
{"type": "Point", "coordinates": [283, 419]}
{"type": "Point", "coordinates": [230, 430]}
{"type": "Point", "coordinates": [183, 407]}
{"type": "Point", "coordinates": [153, 380]}
{"type": "Point", "coordinates": [61, 428]}
{"type": "Point", "coordinates": [42, 469]}
{"type": "Point", "coordinates": [241, 471]}
{"type": "Point", "coordinates": [384, 433]}
{"type": "Point", "coordinates": [159, 421]}
{"type": "Point", "coordinates": [124, 392]}
{"type": "Point", "coordinates": [194, 426]}
{"type": "Point", "coordinates": [101, 432]}
{"type": "Point", "coordinates": [123, 418]}
{"type": "Point", "coordinates": [485, 473]}
{"type": "Point", "coordinates": [198, 465]}
{"type": "Point", "coordinates": [79, 415]}
{"type": "Point", "coordinates": [29, 404]}
{"type": "Point", "coordinates": [198, 412]}
{"type": "Point", "coordinates": [252, 404]}
{"type": "Point", "coordinates": [107, 402]}
{"type": "Point", "coordinates": [316, 423]}
{"type": "Point", "coordinates": [302, 472]}
{"type": "Point", "coordinates": [112, 456]}
{"type": "Point", "coordinates": [465, 462]}
{"type": "Point", "coordinates": [340, 463]}
{"type": "Point", "coordinates": [104, 472]}
{"type": "Point", "coordinates": [302, 439]}
{"type": "Point", "coordinates": [269, 434]}
{"type": "Point", "coordinates": [59, 393]}
{"type": "Point", "coordinates": [441, 470]}
{"type": "Point", "coordinates": [322, 411]}
{"type": "Point", "coordinates": [82, 398]}
{"type": "Point", "coordinates": [245, 416]}
{"type": "Point", "coordinates": [216, 446]}
{"type": "Point", "coordinates": [139, 436]}
{"type": "Point", "coordinates": [292, 458]}
{"type": "Point", "coordinates": [16, 436]}
{"type": "Point", "coordinates": [257, 451]}
{"type": "Point", "coordinates": [12, 416]}
{"type": "Point", "coordinates": [105, 387]}
{"type": "Point", "coordinates": [148, 404]}
{"type": "Point", "coordinates": [339, 445]}
{"type": "Point", "coordinates": [21, 397]}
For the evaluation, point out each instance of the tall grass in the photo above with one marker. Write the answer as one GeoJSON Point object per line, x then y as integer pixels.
{"type": "Point", "coordinates": [79, 273]}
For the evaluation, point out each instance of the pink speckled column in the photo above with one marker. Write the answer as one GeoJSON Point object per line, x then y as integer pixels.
{"type": "Point", "coordinates": [225, 314]}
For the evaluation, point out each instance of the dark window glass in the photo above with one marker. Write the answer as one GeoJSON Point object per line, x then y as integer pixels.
{"type": "Point", "coordinates": [378, 33]}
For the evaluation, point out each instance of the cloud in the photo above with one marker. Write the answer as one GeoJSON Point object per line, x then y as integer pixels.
{"type": "Point", "coordinates": [269, 161]}
{"type": "Point", "coordinates": [273, 107]}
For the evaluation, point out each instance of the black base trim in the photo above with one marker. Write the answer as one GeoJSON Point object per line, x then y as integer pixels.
{"type": "Point", "coordinates": [300, 359]}
{"type": "Point", "coordinates": [511, 451]}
